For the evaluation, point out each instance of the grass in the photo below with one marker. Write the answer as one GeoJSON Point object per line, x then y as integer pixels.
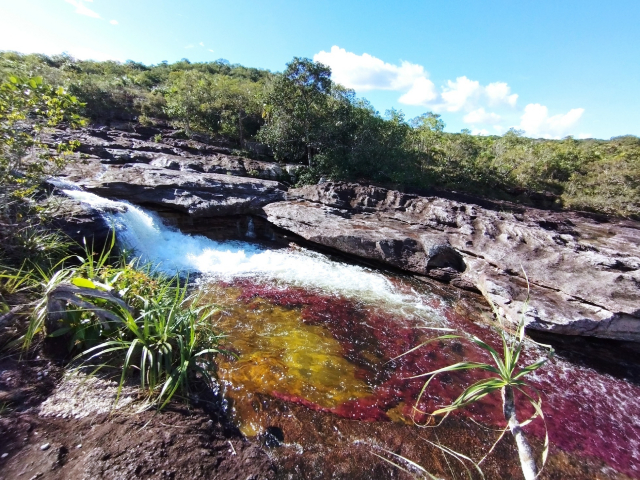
{"type": "Point", "coordinates": [118, 315]}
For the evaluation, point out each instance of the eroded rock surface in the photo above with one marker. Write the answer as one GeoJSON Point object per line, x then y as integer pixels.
{"type": "Point", "coordinates": [584, 272]}
{"type": "Point", "coordinates": [128, 166]}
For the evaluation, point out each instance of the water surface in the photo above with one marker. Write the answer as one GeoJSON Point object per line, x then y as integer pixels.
{"type": "Point", "coordinates": [324, 334]}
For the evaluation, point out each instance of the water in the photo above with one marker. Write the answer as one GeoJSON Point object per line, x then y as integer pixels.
{"type": "Point", "coordinates": [143, 232]}
{"type": "Point", "coordinates": [323, 334]}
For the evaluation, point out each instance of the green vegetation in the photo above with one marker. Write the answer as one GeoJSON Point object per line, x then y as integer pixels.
{"type": "Point", "coordinates": [126, 316]}
{"type": "Point", "coordinates": [129, 319]}
{"type": "Point", "coordinates": [306, 118]}
{"type": "Point", "coordinates": [508, 375]}
{"type": "Point", "coordinates": [28, 109]}
{"type": "Point", "coordinates": [133, 321]}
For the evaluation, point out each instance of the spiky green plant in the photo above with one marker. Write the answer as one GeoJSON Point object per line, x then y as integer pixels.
{"type": "Point", "coordinates": [508, 376]}
{"type": "Point", "coordinates": [129, 318]}
{"type": "Point", "coordinates": [166, 342]}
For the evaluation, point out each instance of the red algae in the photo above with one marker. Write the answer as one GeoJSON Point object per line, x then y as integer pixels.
{"type": "Point", "coordinates": [586, 412]}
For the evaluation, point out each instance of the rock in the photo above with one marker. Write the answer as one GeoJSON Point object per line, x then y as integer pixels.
{"type": "Point", "coordinates": [193, 193]}
{"type": "Point", "coordinates": [584, 270]}
{"type": "Point", "coordinates": [45, 447]}
{"type": "Point", "coordinates": [127, 166]}
{"type": "Point", "coordinates": [584, 274]}
{"type": "Point", "coordinates": [78, 221]}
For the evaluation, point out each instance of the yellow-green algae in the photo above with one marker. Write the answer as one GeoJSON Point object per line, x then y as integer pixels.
{"type": "Point", "coordinates": [279, 354]}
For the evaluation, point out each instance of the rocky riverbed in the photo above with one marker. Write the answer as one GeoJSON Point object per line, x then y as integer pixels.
{"type": "Point", "coordinates": [583, 274]}
{"type": "Point", "coordinates": [583, 269]}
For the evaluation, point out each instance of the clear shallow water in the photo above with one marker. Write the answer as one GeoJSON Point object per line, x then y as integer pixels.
{"type": "Point", "coordinates": [322, 334]}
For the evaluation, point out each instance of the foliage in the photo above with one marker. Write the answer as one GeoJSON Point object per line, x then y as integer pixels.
{"type": "Point", "coordinates": [305, 118]}
{"type": "Point", "coordinates": [27, 108]}
{"type": "Point", "coordinates": [213, 103]}
{"type": "Point", "coordinates": [130, 319]}
{"type": "Point", "coordinates": [508, 375]}
{"type": "Point", "coordinates": [296, 109]}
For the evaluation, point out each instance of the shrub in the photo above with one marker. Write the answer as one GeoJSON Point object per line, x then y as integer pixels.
{"type": "Point", "coordinates": [130, 319]}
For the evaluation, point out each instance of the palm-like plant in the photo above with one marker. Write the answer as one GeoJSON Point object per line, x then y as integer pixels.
{"type": "Point", "coordinates": [167, 342]}
{"type": "Point", "coordinates": [130, 318]}
{"type": "Point", "coordinates": [508, 376]}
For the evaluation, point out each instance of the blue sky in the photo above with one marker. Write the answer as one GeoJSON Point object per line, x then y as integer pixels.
{"type": "Point", "coordinates": [551, 68]}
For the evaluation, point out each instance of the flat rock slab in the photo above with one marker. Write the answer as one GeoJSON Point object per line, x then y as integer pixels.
{"type": "Point", "coordinates": [185, 176]}
{"type": "Point", "coordinates": [584, 271]}
{"type": "Point", "coordinates": [194, 193]}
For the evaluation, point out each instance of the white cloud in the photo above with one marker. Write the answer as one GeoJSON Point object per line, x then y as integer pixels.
{"type": "Point", "coordinates": [482, 132]}
{"type": "Point", "coordinates": [366, 72]}
{"type": "Point", "coordinates": [189, 46]}
{"type": "Point", "coordinates": [457, 95]}
{"type": "Point", "coordinates": [465, 94]}
{"type": "Point", "coordinates": [500, 93]}
{"type": "Point", "coordinates": [583, 136]}
{"type": "Point", "coordinates": [482, 106]}
{"type": "Point", "coordinates": [82, 9]}
{"type": "Point", "coordinates": [211, 50]}
{"type": "Point", "coordinates": [20, 35]}
{"type": "Point", "coordinates": [422, 92]}
{"type": "Point", "coordinates": [113, 22]}
{"type": "Point", "coordinates": [536, 121]}
{"type": "Point", "coordinates": [480, 116]}
{"type": "Point", "coordinates": [202, 44]}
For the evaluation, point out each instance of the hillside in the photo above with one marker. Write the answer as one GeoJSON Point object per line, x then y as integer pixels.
{"type": "Point", "coordinates": [301, 116]}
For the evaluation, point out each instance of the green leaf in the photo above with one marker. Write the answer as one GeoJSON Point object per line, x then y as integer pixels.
{"type": "Point", "coordinates": [60, 332]}
{"type": "Point", "coordinates": [83, 283]}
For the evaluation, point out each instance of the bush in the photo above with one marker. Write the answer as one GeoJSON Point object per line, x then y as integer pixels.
{"type": "Point", "coordinates": [130, 319]}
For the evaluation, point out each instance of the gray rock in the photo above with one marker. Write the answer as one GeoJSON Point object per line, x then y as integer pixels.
{"type": "Point", "coordinates": [584, 273]}
{"type": "Point", "coordinates": [193, 193]}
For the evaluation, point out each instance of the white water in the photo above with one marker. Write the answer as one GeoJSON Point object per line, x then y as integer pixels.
{"type": "Point", "coordinates": [143, 232]}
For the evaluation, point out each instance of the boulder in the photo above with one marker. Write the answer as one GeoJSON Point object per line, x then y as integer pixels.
{"type": "Point", "coordinates": [583, 270]}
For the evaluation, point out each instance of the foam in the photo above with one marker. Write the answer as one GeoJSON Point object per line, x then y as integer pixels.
{"type": "Point", "coordinates": [144, 233]}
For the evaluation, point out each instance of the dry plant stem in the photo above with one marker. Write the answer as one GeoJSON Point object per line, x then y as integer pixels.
{"type": "Point", "coordinates": [527, 462]}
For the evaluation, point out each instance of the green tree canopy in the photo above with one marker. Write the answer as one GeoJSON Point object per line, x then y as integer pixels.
{"type": "Point", "coordinates": [27, 108]}
{"type": "Point", "coordinates": [295, 110]}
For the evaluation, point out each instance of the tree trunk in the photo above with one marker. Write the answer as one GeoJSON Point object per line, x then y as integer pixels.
{"type": "Point", "coordinates": [527, 462]}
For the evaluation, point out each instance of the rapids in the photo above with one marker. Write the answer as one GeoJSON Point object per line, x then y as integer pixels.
{"type": "Point", "coordinates": [325, 334]}
{"type": "Point", "coordinates": [143, 232]}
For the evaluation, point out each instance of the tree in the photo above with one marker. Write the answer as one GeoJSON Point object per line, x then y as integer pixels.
{"type": "Point", "coordinates": [507, 376]}
{"type": "Point", "coordinates": [27, 109]}
{"type": "Point", "coordinates": [236, 101]}
{"type": "Point", "coordinates": [188, 96]}
{"type": "Point", "coordinates": [213, 103]}
{"type": "Point", "coordinates": [427, 138]}
{"type": "Point", "coordinates": [295, 108]}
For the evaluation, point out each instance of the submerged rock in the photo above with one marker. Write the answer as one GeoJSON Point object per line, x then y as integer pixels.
{"type": "Point", "coordinates": [584, 271]}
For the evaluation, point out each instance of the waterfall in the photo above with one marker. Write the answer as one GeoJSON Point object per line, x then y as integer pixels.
{"type": "Point", "coordinates": [142, 232]}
